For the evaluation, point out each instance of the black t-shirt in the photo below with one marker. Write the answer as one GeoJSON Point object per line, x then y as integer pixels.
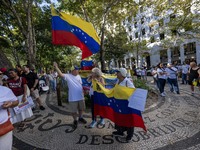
{"type": "Point", "coordinates": [31, 77]}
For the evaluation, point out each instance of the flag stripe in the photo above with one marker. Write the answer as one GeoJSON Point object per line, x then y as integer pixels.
{"type": "Point", "coordinates": [58, 24]}
{"type": "Point", "coordinates": [63, 38]}
{"type": "Point", "coordinates": [119, 106]}
{"type": "Point", "coordinates": [126, 120]}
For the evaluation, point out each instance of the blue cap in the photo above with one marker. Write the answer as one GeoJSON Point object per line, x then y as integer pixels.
{"type": "Point", "coordinates": [75, 68]}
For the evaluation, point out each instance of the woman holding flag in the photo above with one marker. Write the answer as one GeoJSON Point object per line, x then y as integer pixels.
{"type": "Point", "coordinates": [124, 81]}
{"type": "Point", "coordinates": [95, 75]}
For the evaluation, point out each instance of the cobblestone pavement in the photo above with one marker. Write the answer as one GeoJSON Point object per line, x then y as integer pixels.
{"type": "Point", "coordinates": [173, 123]}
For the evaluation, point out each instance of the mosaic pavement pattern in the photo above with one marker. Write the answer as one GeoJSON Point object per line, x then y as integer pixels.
{"type": "Point", "coordinates": [173, 123]}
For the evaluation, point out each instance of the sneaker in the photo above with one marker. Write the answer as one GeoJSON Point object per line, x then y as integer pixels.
{"type": "Point", "coordinates": [117, 133]}
{"type": "Point", "coordinates": [92, 124]}
{"type": "Point", "coordinates": [101, 122]}
{"type": "Point", "coordinates": [178, 92]}
{"type": "Point", "coordinates": [42, 108]}
{"type": "Point", "coordinates": [162, 94]}
{"type": "Point", "coordinates": [82, 120]}
{"type": "Point", "coordinates": [128, 139]}
{"type": "Point", "coordinates": [75, 123]}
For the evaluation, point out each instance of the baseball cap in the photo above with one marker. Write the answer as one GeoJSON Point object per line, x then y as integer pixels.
{"type": "Point", "coordinates": [123, 71]}
{"type": "Point", "coordinates": [75, 68]}
{"type": "Point", "coordinates": [3, 70]}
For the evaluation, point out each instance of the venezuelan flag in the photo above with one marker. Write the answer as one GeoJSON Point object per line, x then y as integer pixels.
{"type": "Point", "coordinates": [87, 65]}
{"type": "Point", "coordinates": [113, 104]}
{"type": "Point", "coordinates": [70, 30]}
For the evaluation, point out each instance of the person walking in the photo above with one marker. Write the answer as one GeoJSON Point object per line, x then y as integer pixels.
{"type": "Point", "coordinates": [124, 81]}
{"type": "Point", "coordinates": [172, 73]}
{"type": "Point", "coordinates": [7, 100]}
{"type": "Point", "coordinates": [95, 75]}
{"type": "Point", "coordinates": [193, 76]}
{"type": "Point", "coordinates": [75, 93]}
{"type": "Point", "coordinates": [162, 76]}
{"type": "Point", "coordinates": [32, 82]}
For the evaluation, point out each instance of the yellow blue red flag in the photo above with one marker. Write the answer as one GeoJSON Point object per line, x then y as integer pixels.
{"type": "Point", "coordinates": [113, 104]}
{"type": "Point", "coordinates": [70, 30]}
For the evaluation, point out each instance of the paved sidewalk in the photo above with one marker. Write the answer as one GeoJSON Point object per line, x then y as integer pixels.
{"type": "Point", "coordinates": [173, 123]}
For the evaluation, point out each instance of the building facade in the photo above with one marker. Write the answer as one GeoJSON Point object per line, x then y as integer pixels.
{"type": "Point", "coordinates": [162, 45]}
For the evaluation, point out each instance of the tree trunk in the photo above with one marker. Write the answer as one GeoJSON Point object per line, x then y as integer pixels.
{"type": "Point", "coordinates": [30, 37]}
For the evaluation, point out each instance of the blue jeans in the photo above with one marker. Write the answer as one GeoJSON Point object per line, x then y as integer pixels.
{"type": "Point", "coordinates": [184, 78]}
{"type": "Point", "coordinates": [173, 83]}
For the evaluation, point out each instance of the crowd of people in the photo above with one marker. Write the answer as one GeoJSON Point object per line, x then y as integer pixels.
{"type": "Point", "coordinates": [170, 73]}
{"type": "Point", "coordinates": [17, 84]}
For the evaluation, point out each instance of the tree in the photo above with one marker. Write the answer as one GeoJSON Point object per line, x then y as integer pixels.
{"type": "Point", "coordinates": [104, 15]}
{"type": "Point", "coordinates": [22, 12]}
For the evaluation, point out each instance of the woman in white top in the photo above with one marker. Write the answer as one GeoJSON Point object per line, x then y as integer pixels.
{"type": "Point", "coordinates": [162, 76]}
{"type": "Point", "coordinates": [124, 81]}
{"type": "Point", "coordinates": [7, 100]}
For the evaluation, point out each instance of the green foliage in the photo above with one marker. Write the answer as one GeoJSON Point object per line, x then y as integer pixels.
{"type": "Point", "coordinates": [141, 84]}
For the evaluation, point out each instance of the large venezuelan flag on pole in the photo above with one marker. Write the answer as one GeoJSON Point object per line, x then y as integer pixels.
{"type": "Point", "coordinates": [70, 30]}
{"type": "Point", "coordinates": [113, 104]}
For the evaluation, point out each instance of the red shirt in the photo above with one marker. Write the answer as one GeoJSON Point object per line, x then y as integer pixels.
{"type": "Point", "coordinates": [17, 86]}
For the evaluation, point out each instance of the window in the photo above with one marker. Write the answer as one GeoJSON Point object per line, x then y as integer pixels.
{"type": "Point", "coordinates": [160, 22]}
{"type": "Point", "coordinates": [136, 35]}
{"type": "Point", "coordinates": [172, 16]}
{"type": "Point", "coordinates": [135, 24]}
{"type": "Point", "coordinates": [142, 20]}
{"type": "Point", "coordinates": [190, 48]}
{"type": "Point", "coordinates": [129, 28]}
{"type": "Point", "coordinates": [130, 37]}
{"type": "Point", "coordinates": [162, 36]}
{"type": "Point", "coordinates": [152, 39]}
{"type": "Point", "coordinates": [174, 32]}
{"type": "Point", "coordinates": [175, 51]}
{"type": "Point", "coordinates": [143, 31]}
{"type": "Point", "coordinates": [150, 29]}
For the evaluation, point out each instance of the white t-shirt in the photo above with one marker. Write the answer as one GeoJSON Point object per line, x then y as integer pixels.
{"type": "Point", "coordinates": [185, 69]}
{"type": "Point", "coordinates": [6, 94]}
{"type": "Point", "coordinates": [126, 82]}
{"type": "Point", "coordinates": [155, 73]}
{"type": "Point", "coordinates": [161, 70]}
{"type": "Point", "coordinates": [75, 87]}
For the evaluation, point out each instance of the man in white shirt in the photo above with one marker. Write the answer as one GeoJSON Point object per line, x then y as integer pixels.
{"type": "Point", "coordinates": [75, 94]}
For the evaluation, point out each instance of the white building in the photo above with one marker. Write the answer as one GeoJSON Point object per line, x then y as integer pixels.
{"type": "Point", "coordinates": [163, 45]}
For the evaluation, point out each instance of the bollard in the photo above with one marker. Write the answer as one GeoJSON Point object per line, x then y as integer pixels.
{"type": "Point", "coordinates": [58, 87]}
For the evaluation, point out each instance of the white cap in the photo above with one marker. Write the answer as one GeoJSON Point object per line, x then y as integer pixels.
{"type": "Point", "coordinates": [123, 71]}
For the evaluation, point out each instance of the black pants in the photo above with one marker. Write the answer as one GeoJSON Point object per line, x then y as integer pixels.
{"type": "Point", "coordinates": [129, 130]}
{"type": "Point", "coordinates": [161, 83]}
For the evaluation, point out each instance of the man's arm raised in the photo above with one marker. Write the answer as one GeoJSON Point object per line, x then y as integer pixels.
{"type": "Point", "coordinates": [60, 74]}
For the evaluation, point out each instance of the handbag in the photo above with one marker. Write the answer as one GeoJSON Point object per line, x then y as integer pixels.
{"type": "Point", "coordinates": [6, 127]}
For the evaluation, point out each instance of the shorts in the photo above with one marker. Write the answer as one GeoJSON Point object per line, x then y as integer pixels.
{"type": "Point", "coordinates": [35, 94]}
{"type": "Point", "coordinates": [77, 106]}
